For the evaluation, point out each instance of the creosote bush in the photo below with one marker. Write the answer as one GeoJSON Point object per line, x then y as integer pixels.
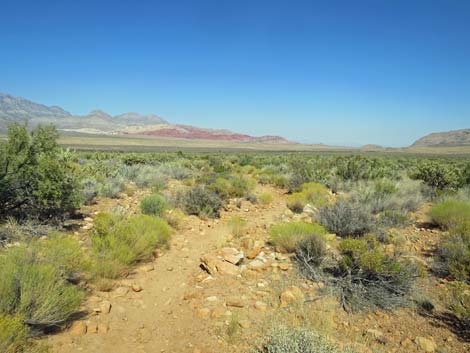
{"type": "Point", "coordinates": [200, 201]}
{"type": "Point", "coordinates": [153, 205]}
{"type": "Point", "coordinates": [309, 255]}
{"type": "Point", "coordinates": [366, 278]}
{"type": "Point", "coordinates": [286, 235]}
{"type": "Point", "coordinates": [458, 299]}
{"type": "Point", "coordinates": [345, 218]}
{"type": "Point", "coordinates": [454, 253]}
{"type": "Point", "coordinates": [119, 242]}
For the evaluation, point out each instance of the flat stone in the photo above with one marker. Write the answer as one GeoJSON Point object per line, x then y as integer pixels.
{"type": "Point", "coordinates": [78, 328]}
{"type": "Point", "coordinates": [425, 344]}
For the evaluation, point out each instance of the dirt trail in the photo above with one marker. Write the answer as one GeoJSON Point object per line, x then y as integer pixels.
{"type": "Point", "coordinates": [158, 319]}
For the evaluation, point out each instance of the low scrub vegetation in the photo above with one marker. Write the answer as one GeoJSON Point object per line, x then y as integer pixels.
{"type": "Point", "coordinates": [451, 214]}
{"type": "Point", "coordinates": [237, 226]}
{"type": "Point", "coordinates": [458, 300]}
{"type": "Point", "coordinates": [286, 235]}
{"type": "Point", "coordinates": [345, 218]}
{"type": "Point", "coordinates": [200, 201]}
{"type": "Point", "coordinates": [283, 339]}
{"type": "Point", "coordinates": [154, 205]}
{"type": "Point", "coordinates": [311, 193]}
{"type": "Point", "coordinates": [33, 287]}
{"type": "Point", "coordinates": [119, 242]}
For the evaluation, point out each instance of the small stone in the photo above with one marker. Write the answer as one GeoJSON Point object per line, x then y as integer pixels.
{"type": "Point", "coordinates": [284, 266]}
{"type": "Point", "coordinates": [136, 288]}
{"type": "Point", "coordinates": [261, 306]}
{"type": "Point", "coordinates": [376, 334]}
{"type": "Point", "coordinates": [290, 295]}
{"type": "Point", "coordinates": [203, 313]}
{"type": "Point", "coordinates": [91, 327]}
{"type": "Point", "coordinates": [147, 268]}
{"type": "Point", "coordinates": [235, 302]}
{"type": "Point", "coordinates": [78, 328]}
{"type": "Point", "coordinates": [212, 299]}
{"type": "Point", "coordinates": [425, 344]}
{"type": "Point", "coordinates": [105, 307]}
{"type": "Point", "coordinates": [103, 328]}
{"type": "Point", "coordinates": [244, 323]}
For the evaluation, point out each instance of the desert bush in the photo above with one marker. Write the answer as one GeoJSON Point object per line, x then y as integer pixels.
{"type": "Point", "coordinates": [153, 205]}
{"type": "Point", "coordinates": [311, 193]}
{"type": "Point", "coordinates": [200, 201]}
{"type": "Point", "coordinates": [454, 253]}
{"type": "Point", "coordinates": [13, 230]}
{"type": "Point", "coordinates": [296, 340]}
{"type": "Point", "coordinates": [438, 176]}
{"type": "Point", "coordinates": [118, 242]}
{"type": "Point", "coordinates": [35, 289]}
{"type": "Point", "coordinates": [309, 255]}
{"type": "Point", "coordinates": [265, 198]}
{"type": "Point", "coordinates": [286, 235]}
{"type": "Point", "coordinates": [88, 190]}
{"type": "Point", "coordinates": [13, 334]}
{"type": "Point", "coordinates": [450, 213]}
{"type": "Point", "coordinates": [38, 178]}
{"type": "Point", "coordinates": [237, 226]}
{"type": "Point", "coordinates": [458, 299]}
{"type": "Point", "coordinates": [112, 187]}
{"type": "Point", "coordinates": [62, 252]}
{"type": "Point", "coordinates": [367, 279]}
{"type": "Point", "coordinates": [345, 218]}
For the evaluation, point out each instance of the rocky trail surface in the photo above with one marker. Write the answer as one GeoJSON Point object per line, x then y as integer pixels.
{"type": "Point", "coordinates": [160, 306]}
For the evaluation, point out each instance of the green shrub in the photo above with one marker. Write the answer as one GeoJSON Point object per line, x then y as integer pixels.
{"type": "Point", "coordinates": [200, 201]}
{"type": "Point", "coordinates": [367, 279]}
{"type": "Point", "coordinates": [62, 252]}
{"type": "Point", "coordinates": [309, 255]}
{"type": "Point", "coordinates": [34, 288]}
{"type": "Point", "coordinates": [311, 193]}
{"type": "Point", "coordinates": [296, 340]}
{"type": "Point", "coordinates": [459, 301]}
{"type": "Point", "coordinates": [38, 178]}
{"type": "Point", "coordinates": [237, 226]}
{"type": "Point", "coordinates": [153, 205]}
{"type": "Point", "coordinates": [451, 213]}
{"type": "Point", "coordinates": [118, 243]}
{"type": "Point", "coordinates": [112, 187]}
{"type": "Point", "coordinates": [346, 219]}
{"type": "Point", "coordinates": [88, 190]}
{"type": "Point", "coordinates": [438, 176]}
{"type": "Point", "coordinates": [286, 235]}
{"type": "Point", "coordinates": [13, 334]}
{"type": "Point", "coordinates": [454, 253]}
{"type": "Point", "coordinates": [265, 198]}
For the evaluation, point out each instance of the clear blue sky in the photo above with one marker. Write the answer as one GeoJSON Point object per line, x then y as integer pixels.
{"type": "Point", "coordinates": [341, 72]}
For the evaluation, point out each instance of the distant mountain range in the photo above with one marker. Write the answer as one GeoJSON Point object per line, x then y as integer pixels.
{"type": "Point", "coordinates": [445, 139]}
{"type": "Point", "coordinates": [98, 122]}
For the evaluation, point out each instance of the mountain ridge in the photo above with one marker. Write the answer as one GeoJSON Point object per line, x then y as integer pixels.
{"type": "Point", "coordinates": [459, 137]}
{"type": "Point", "coordinates": [18, 109]}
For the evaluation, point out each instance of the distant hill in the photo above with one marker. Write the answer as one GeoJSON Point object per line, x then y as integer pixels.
{"type": "Point", "coordinates": [444, 139]}
{"type": "Point", "coordinates": [98, 122]}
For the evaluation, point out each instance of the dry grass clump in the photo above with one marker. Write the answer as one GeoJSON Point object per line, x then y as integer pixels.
{"type": "Point", "coordinates": [311, 193]}
{"type": "Point", "coordinates": [118, 242]}
{"type": "Point", "coordinates": [34, 287]}
{"type": "Point", "coordinates": [237, 226]}
{"type": "Point", "coordinates": [286, 235]}
{"type": "Point", "coordinates": [265, 198]}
